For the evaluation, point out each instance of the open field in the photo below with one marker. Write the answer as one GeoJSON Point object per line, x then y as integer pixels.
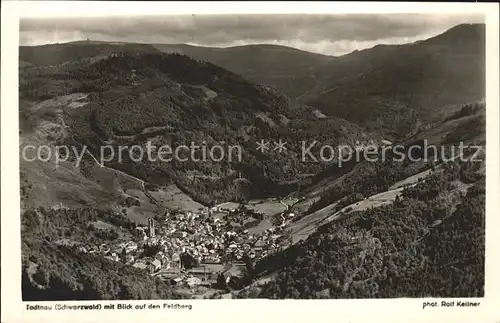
{"type": "Point", "coordinates": [172, 197]}
{"type": "Point", "coordinates": [103, 225]}
{"type": "Point", "coordinates": [373, 201]}
{"type": "Point", "coordinates": [436, 135]}
{"type": "Point", "coordinates": [267, 207]}
{"type": "Point", "coordinates": [44, 184]}
{"type": "Point", "coordinates": [60, 101]}
{"type": "Point", "coordinates": [261, 227]}
{"type": "Point", "coordinates": [411, 180]}
{"type": "Point", "coordinates": [301, 229]}
{"type": "Point", "coordinates": [307, 225]}
{"type": "Point", "coordinates": [145, 210]}
{"type": "Point", "coordinates": [111, 179]}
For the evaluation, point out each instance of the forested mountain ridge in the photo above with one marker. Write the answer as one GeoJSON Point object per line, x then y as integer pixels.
{"type": "Point", "coordinates": [286, 68]}
{"type": "Point", "coordinates": [404, 248]}
{"type": "Point", "coordinates": [390, 89]}
{"type": "Point", "coordinates": [394, 88]}
{"type": "Point", "coordinates": [173, 99]}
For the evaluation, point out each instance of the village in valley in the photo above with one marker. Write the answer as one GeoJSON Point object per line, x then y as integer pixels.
{"type": "Point", "coordinates": [198, 248]}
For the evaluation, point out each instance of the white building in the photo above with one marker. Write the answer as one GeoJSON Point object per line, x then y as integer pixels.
{"type": "Point", "coordinates": [155, 265]}
{"type": "Point", "coordinates": [130, 246]}
{"type": "Point", "coordinates": [193, 281]}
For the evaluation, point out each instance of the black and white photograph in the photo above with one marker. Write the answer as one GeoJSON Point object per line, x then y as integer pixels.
{"type": "Point", "coordinates": [252, 156]}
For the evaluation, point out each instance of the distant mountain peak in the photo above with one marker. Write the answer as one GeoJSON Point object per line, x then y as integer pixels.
{"type": "Point", "coordinates": [463, 31]}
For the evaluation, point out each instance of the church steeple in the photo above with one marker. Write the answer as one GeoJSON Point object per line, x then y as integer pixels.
{"type": "Point", "coordinates": [151, 225]}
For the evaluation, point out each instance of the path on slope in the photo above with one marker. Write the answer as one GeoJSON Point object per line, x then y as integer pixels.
{"type": "Point", "coordinates": [281, 214]}
{"type": "Point", "coordinates": [324, 216]}
{"type": "Point", "coordinates": [143, 185]}
{"type": "Point", "coordinates": [308, 224]}
{"type": "Point", "coordinates": [301, 229]}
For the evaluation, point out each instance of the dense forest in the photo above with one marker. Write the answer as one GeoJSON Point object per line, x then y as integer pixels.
{"type": "Point", "coordinates": [171, 99]}
{"type": "Point", "coordinates": [362, 178]}
{"type": "Point", "coordinates": [429, 243]}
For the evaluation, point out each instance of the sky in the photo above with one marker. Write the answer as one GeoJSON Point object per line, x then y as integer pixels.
{"type": "Point", "coordinates": [333, 34]}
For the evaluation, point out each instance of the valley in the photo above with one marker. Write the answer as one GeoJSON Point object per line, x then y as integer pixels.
{"type": "Point", "coordinates": [268, 225]}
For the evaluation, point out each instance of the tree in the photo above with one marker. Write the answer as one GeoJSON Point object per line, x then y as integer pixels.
{"type": "Point", "coordinates": [151, 249]}
{"type": "Point", "coordinates": [188, 261]}
{"type": "Point", "coordinates": [221, 282]}
{"type": "Point", "coordinates": [433, 166]}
